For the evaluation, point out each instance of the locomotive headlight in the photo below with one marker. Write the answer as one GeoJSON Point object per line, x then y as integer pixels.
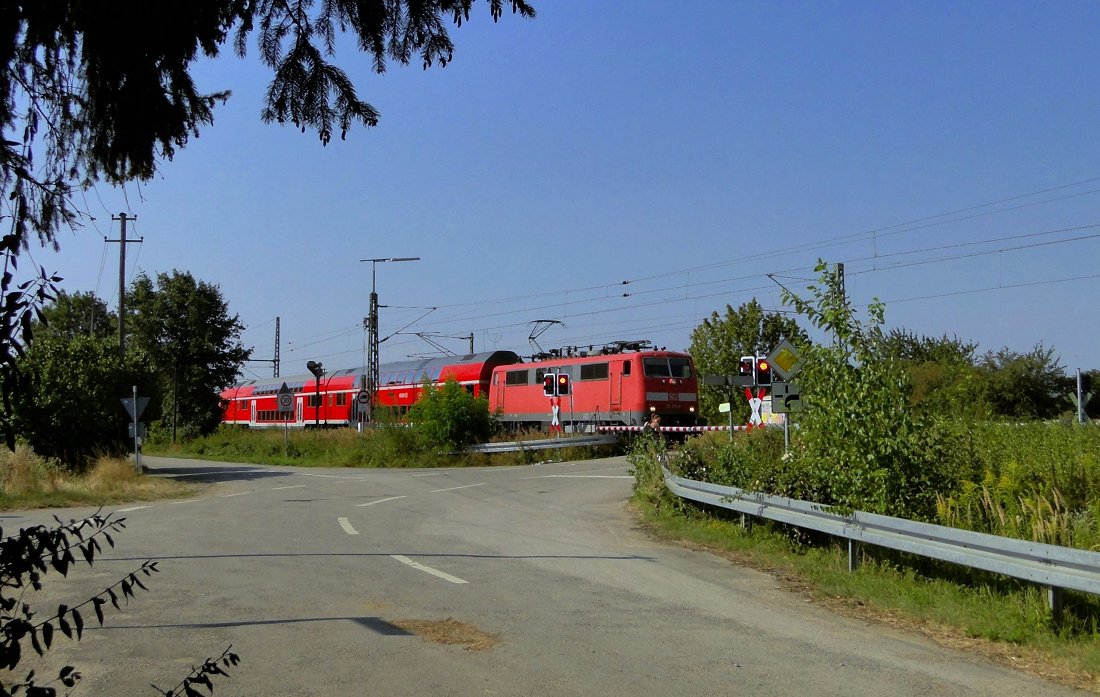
{"type": "Point", "coordinates": [691, 409]}
{"type": "Point", "coordinates": [652, 408]}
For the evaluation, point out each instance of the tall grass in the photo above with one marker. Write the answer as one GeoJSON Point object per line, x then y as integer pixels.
{"type": "Point", "coordinates": [1038, 482]}
{"type": "Point", "coordinates": [29, 481]}
{"type": "Point", "coordinates": [391, 446]}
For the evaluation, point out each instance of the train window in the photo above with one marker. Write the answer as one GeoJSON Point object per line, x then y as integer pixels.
{"type": "Point", "coordinates": [626, 368]}
{"type": "Point", "coordinates": [518, 377]}
{"type": "Point", "coordinates": [594, 371]}
{"type": "Point", "coordinates": [656, 367]}
{"type": "Point", "coordinates": [680, 368]}
{"type": "Point", "coordinates": [342, 399]}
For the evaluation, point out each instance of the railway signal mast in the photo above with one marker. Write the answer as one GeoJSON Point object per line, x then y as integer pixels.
{"type": "Point", "coordinates": [371, 377]}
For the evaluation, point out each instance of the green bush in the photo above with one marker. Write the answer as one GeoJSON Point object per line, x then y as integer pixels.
{"type": "Point", "coordinates": [449, 417]}
{"type": "Point", "coordinates": [645, 454]}
{"type": "Point", "coordinates": [860, 445]}
{"type": "Point", "coordinates": [74, 414]}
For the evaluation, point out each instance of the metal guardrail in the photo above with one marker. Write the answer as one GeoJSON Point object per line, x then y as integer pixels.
{"type": "Point", "coordinates": [1052, 566]}
{"type": "Point", "coordinates": [544, 444]}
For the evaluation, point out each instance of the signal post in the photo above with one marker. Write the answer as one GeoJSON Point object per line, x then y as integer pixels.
{"type": "Point", "coordinates": [556, 385]}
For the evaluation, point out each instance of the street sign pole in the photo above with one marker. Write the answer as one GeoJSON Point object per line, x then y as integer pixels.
{"type": "Point", "coordinates": [786, 434]}
{"type": "Point", "coordinates": [285, 405]}
{"type": "Point", "coordinates": [137, 438]}
{"type": "Point", "coordinates": [134, 406]}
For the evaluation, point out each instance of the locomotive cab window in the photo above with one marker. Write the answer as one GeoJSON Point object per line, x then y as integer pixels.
{"type": "Point", "coordinates": [680, 368]}
{"type": "Point", "coordinates": [517, 377]}
{"type": "Point", "coordinates": [667, 368]}
{"type": "Point", "coordinates": [656, 367]}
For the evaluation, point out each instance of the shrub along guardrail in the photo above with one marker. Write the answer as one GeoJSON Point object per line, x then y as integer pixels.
{"type": "Point", "coordinates": [1056, 568]}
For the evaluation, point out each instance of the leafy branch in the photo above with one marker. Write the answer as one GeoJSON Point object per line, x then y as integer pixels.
{"type": "Point", "coordinates": [201, 676]}
{"type": "Point", "coordinates": [28, 556]}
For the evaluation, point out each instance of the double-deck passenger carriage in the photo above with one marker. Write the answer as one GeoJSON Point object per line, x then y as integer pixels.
{"type": "Point", "coordinates": [331, 399]}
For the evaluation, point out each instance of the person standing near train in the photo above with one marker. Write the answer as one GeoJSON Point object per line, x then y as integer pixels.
{"type": "Point", "coordinates": [653, 425]}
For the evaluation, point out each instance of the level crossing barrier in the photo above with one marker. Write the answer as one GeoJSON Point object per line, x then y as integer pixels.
{"type": "Point", "coordinates": [674, 429]}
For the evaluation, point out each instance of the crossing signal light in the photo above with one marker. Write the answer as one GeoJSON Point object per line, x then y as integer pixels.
{"type": "Point", "coordinates": [563, 384]}
{"type": "Point", "coordinates": [763, 372]}
{"type": "Point", "coordinates": [747, 367]}
{"type": "Point", "coordinates": [548, 384]}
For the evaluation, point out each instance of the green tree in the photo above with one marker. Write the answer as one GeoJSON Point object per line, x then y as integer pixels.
{"type": "Point", "coordinates": [74, 414]}
{"type": "Point", "coordinates": [908, 346]}
{"type": "Point", "coordinates": [78, 105]}
{"type": "Point", "coordinates": [1092, 379]}
{"type": "Point", "coordinates": [449, 417]}
{"type": "Point", "coordinates": [719, 342]}
{"type": "Point", "coordinates": [78, 314]}
{"type": "Point", "coordinates": [941, 371]}
{"type": "Point", "coordinates": [1030, 385]}
{"type": "Point", "coordinates": [859, 444]}
{"type": "Point", "coordinates": [185, 327]}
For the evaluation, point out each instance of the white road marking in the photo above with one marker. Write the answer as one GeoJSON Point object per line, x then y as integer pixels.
{"type": "Point", "coordinates": [453, 488]}
{"type": "Point", "coordinates": [371, 503]}
{"type": "Point", "coordinates": [202, 474]}
{"type": "Point", "coordinates": [330, 476]}
{"type": "Point", "coordinates": [296, 486]}
{"type": "Point", "coordinates": [582, 476]}
{"type": "Point", "coordinates": [427, 569]}
{"type": "Point", "coordinates": [603, 469]}
{"type": "Point", "coordinates": [186, 501]}
{"type": "Point", "coordinates": [347, 526]}
{"type": "Point", "coordinates": [239, 493]}
{"type": "Point", "coordinates": [429, 474]}
{"type": "Point", "coordinates": [131, 508]}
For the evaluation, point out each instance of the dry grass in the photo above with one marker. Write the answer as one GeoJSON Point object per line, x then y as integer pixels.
{"type": "Point", "coordinates": [450, 631]}
{"type": "Point", "coordinates": [28, 481]}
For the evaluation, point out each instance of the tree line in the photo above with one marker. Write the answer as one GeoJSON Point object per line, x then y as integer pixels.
{"type": "Point", "coordinates": [945, 373]}
{"type": "Point", "coordinates": [182, 347]}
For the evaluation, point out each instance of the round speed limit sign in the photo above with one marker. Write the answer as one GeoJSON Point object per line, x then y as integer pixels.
{"type": "Point", "coordinates": [286, 402]}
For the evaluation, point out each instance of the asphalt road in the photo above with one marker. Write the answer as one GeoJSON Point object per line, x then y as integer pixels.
{"type": "Point", "coordinates": [503, 581]}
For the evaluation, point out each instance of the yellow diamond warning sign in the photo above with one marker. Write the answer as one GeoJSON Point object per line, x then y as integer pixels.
{"type": "Point", "coordinates": [785, 360]}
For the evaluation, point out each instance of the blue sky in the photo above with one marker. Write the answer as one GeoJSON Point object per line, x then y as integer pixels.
{"type": "Point", "coordinates": [946, 153]}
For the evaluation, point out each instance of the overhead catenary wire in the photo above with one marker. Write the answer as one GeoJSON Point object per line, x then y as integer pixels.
{"type": "Point", "coordinates": [605, 300]}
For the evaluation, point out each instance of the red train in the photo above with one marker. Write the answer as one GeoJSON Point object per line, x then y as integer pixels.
{"type": "Point", "coordinates": [618, 385]}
